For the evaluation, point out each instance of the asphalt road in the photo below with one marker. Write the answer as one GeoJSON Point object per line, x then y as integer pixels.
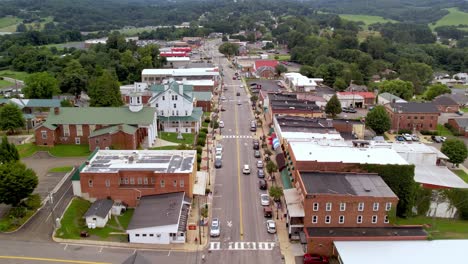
{"type": "Point", "coordinates": [236, 197]}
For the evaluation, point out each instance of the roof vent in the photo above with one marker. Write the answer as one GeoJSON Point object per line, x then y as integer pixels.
{"type": "Point", "coordinates": [330, 231]}
{"type": "Point", "coordinates": [363, 232]}
{"type": "Point", "coordinates": [366, 189]}
{"type": "Point", "coordinates": [131, 159]}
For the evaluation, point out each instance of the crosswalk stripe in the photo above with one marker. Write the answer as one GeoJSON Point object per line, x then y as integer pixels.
{"type": "Point", "coordinates": [243, 245]}
{"type": "Point", "coordinates": [215, 245]}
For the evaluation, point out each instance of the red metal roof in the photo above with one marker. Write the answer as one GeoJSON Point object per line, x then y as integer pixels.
{"type": "Point", "coordinates": [267, 63]}
{"type": "Point", "coordinates": [366, 95]}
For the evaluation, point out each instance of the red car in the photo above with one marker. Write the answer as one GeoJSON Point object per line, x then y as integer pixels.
{"type": "Point", "coordinates": [315, 259]}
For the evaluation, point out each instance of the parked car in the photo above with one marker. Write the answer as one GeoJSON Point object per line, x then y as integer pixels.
{"type": "Point", "coordinates": [460, 113]}
{"type": "Point", "coordinates": [253, 84]}
{"type": "Point", "coordinates": [84, 234]}
{"type": "Point", "coordinates": [271, 226]}
{"type": "Point", "coordinates": [262, 184]}
{"type": "Point", "coordinates": [256, 144]}
{"type": "Point", "coordinates": [257, 154]}
{"type": "Point", "coordinates": [223, 109]}
{"type": "Point", "coordinates": [415, 137]}
{"type": "Point", "coordinates": [238, 94]}
{"type": "Point", "coordinates": [246, 169]}
{"type": "Point", "coordinates": [399, 138]}
{"type": "Point", "coordinates": [259, 164]}
{"type": "Point", "coordinates": [239, 102]}
{"type": "Point", "coordinates": [223, 98]}
{"type": "Point", "coordinates": [215, 229]}
{"type": "Point", "coordinates": [234, 77]}
{"type": "Point", "coordinates": [260, 173]}
{"type": "Point", "coordinates": [267, 212]}
{"type": "Point", "coordinates": [407, 137]}
{"type": "Point", "coordinates": [443, 139]}
{"type": "Point", "coordinates": [348, 110]}
{"type": "Point", "coordinates": [219, 155]}
{"type": "Point", "coordinates": [315, 259]}
{"type": "Point", "coordinates": [221, 124]}
{"type": "Point", "coordinates": [219, 147]}
{"type": "Point", "coordinates": [265, 199]}
{"type": "Point", "coordinates": [218, 163]}
{"type": "Point", "coordinates": [436, 139]}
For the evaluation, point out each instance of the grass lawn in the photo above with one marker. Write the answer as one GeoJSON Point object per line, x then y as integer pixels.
{"type": "Point", "coordinates": [443, 131]}
{"type": "Point", "coordinates": [454, 18]}
{"type": "Point", "coordinates": [465, 109]}
{"type": "Point", "coordinates": [14, 74]}
{"type": "Point", "coordinates": [4, 83]}
{"type": "Point", "coordinates": [165, 148]}
{"type": "Point", "coordinates": [73, 223]}
{"type": "Point", "coordinates": [61, 169]}
{"type": "Point", "coordinates": [61, 46]}
{"type": "Point", "coordinates": [462, 174]}
{"type": "Point", "coordinates": [172, 137]}
{"type": "Point", "coordinates": [27, 150]}
{"type": "Point", "coordinates": [8, 23]}
{"type": "Point", "coordinates": [439, 228]}
{"type": "Point", "coordinates": [281, 57]}
{"type": "Point", "coordinates": [367, 20]}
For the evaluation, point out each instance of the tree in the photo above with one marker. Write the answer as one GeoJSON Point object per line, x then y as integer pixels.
{"type": "Point", "coordinates": [333, 106]}
{"type": "Point", "coordinates": [105, 91]}
{"type": "Point", "coordinates": [340, 84]}
{"type": "Point", "coordinates": [399, 88]}
{"type": "Point", "coordinates": [271, 167]}
{"type": "Point", "coordinates": [435, 90]}
{"type": "Point", "coordinates": [8, 151]}
{"type": "Point", "coordinates": [456, 151]}
{"type": "Point", "coordinates": [73, 78]}
{"type": "Point", "coordinates": [229, 49]}
{"type": "Point", "coordinates": [66, 103]}
{"type": "Point", "coordinates": [16, 182]}
{"type": "Point", "coordinates": [276, 192]}
{"type": "Point", "coordinates": [11, 118]}
{"type": "Point", "coordinates": [280, 68]}
{"type": "Point", "coordinates": [420, 74]}
{"type": "Point", "coordinates": [41, 85]}
{"type": "Point", "coordinates": [224, 38]}
{"type": "Point", "coordinates": [378, 120]}
{"type": "Point", "coordinates": [21, 28]}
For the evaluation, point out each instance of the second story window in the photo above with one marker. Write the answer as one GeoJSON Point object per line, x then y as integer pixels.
{"type": "Point", "coordinates": [374, 219]}
{"type": "Point", "coordinates": [314, 219]}
{"type": "Point", "coordinates": [341, 219]}
{"type": "Point", "coordinates": [163, 184]}
{"type": "Point", "coordinates": [328, 207]}
{"type": "Point", "coordinates": [163, 98]}
{"type": "Point", "coordinates": [175, 105]}
{"type": "Point", "coordinates": [182, 183]}
{"type": "Point", "coordinates": [388, 206]}
{"type": "Point", "coordinates": [315, 207]}
{"type": "Point", "coordinates": [90, 183]}
{"type": "Point", "coordinates": [376, 207]}
{"type": "Point", "coordinates": [361, 207]}
{"type": "Point", "coordinates": [327, 219]}
{"type": "Point", "coordinates": [359, 219]}
{"type": "Point", "coordinates": [342, 206]}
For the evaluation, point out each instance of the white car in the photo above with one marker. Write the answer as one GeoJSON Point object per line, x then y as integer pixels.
{"type": "Point", "coordinates": [219, 155]}
{"type": "Point", "coordinates": [271, 226]}
{"type": "Point", "coordinates": [415, 137]}
{"type": "Point", "coordinates": [215, 229]}
{"type": "Point", "coordinates": [246, 169]}
{"type": "Point", "coordinates": [443, 139]}
{"type": "Point", "coordinates": [407, 137]}
{"type": "Point", "coordinates": [239, 102]}
{"type": "Point", "coordinates": [259, 164]}
{"type": "Point", "coordinates": [219, 148]}
{"type": "Point", "coordinates": [221, 124]}
{"type": "Point", "coordinates": [223, 98]}
{"type": "Point", "coordinates": [265, 199]}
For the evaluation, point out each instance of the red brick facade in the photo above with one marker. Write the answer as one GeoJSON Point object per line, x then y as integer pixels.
{"type": "Point", "coordinates": [413, 121]}
{"type": "Point", "coordinates": [129, 186]}
{"type": "Point", "coordinates": [205, 105]}
{"type": "Point", "coordinates": [454, 124]}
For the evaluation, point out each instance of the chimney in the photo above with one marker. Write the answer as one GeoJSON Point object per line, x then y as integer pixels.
{"type": "Point", "coordinates": [56, 110]}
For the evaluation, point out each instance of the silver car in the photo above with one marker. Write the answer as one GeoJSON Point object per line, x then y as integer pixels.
{"type": "Point", "coordinates": [215, 229]}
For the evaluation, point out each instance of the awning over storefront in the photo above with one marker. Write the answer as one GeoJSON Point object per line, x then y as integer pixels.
{"type": "Point", "coordinates": [438, 176]}
{"type": "Point", "coordinates": [199, 186]}
{"type": "Point", "coordinates": [293, 203]}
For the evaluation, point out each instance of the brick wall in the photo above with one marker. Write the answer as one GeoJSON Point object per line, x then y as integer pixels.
{"type": "Point", "coordinates": [201, 88]}
{"type": "Point", "coordinates": [128, 192]}
{"type": "Point", "coordinates": [454, 124]}
{"type": "Point", "coordinates": [448, 108]}
{"type": "Point", "coordinates": [205, 105]}
{"type": "Point", "coordinates": [418, 121]}
{"type": "Point", "coordinates": [50, 136]}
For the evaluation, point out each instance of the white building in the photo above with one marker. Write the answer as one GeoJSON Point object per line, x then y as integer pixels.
{"type": "Point", "coordinates": [301, 83]}
{"type": "Point", "coordinates": [98, 213]}
{"type": "Point", "coordinates": [160, 219]}
{"type": "Point", "coordinates": [174, 105]}
{"type": "Point", "coordinates": [387, 98]}
{"type": "Point", "coordinates": [156, 76]}
{"type": "Point", "coordinates": [177, 62]}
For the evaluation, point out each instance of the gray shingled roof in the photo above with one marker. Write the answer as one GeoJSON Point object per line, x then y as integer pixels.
{"type": "Point", "coordinates": [462, 122]}
{"type": "Point", "coordinates": [444, 100]}
{"type": "Point", "coordinates": [99, 208]}
{"type": "Point", "coordinates": [413, 107]}
{"type": "Point", "coordinates": [158, 210]}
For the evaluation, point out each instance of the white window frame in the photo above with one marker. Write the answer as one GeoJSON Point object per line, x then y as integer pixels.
{"type": "Point", "coordinates": [153, 180]}
{"type": "Point", "coordinates": [175, 106]}
{"type": "Point", "coordinates": [145, 180]}
{"type": "Point", "coordinates": [327, 219]}
{"type": "Point", "coordinates": [388, 206]}
{"type": "Point", "coordinates": [90, 183]}
{"type": "Point", "coordinates": [314, 219]}
{"type": "Point", "coordinates": [359, 219]}
{"type": "Point", "coordinates": [162, 183]}
{"type": "Point", "coordinates": [92, 128]}
{"type": "Point", "coordinates": [107, 183]}
{"type": "Point", "coordinates": [126, 180]}
{"type": "Point", "coordinates": [66, 130]}
{"type": "Point", "coordinates": [315, 207]}
{"type": "Point", "coordinates": [374, 219]}
{"type": "Point", "coordinates": [375, 207]}
{"type": "Point", "coordinates": [361, 206]}
{"type": "Point", "coordinates": [182, 183]}
{"type": "Point", "coordinates": [77, 141]}
{"type": "Point", "coordinates": [328, 207]}
{"type": "Point", "coordinates": [174, 183]}
{"type": "Point", "coordinates": [132, 180]}
{"type": "Point", "coordinates": [44, 134]}
{"type": "Point", "coordinates": [386, 220]}
{"type": "Point", "coordinates": [140, 181]}
{"type": "Point", "coordinates": [341, 219]}
{"type": "Point", "coordinates": [342, 207]}
{"type": "Point", "coordinates": [79, 130]}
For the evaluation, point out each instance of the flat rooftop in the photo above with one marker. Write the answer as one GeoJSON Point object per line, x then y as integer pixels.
{"type": "Point", "coordinates": [390, 252]}
{"type": "Point", "coordinates": [355, 184]}
{"type": "Point", "coordinates": [182, 72]}
{"type": "Point", "coordinates": [403, 147]}
{"type": "Point", "coordinates": [400, 231]}
{"type": "Point", "coordinates": [310, 151]}
{"type": "Point", "coordinates": [162, 161]}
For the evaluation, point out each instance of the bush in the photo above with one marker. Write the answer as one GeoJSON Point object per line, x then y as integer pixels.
{"type": "Point", "coordinates": [405, 131]}
{"type": "Point", "coordinates": [199, 158]}
{"type": "Point", "coordinates": [33, 202]}
{"type": "Point", "coordinates": [452, 129]}
{"type": "Point", "coordinates": [18, 212]}
{"type": "Point", "coordinates": [199, 150]}
{"type": "Point", "coordinates": [201, 142]}
{"type": "Point", "coordinates": [204, 130]}
{"type": "Point", "coordinates": [428, 133]}
{"type": "Point", "coordinates": [423, 200]}
{"type": "Point", "coordinates": [207, 119]}
{"type": "Point", "coordinates": [202, 135]}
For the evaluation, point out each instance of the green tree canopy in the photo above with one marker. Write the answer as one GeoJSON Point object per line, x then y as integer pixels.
{"type": "Point", "coordinates": [280, 68]}
{"type": "Point", "coordinates": [435, 90]}
{"type": "Point", "coordinates": [276, 192]}
{"type": "Point", "coordinates": [41, 85]}
{"type": "Point", "coordinates": [16, 182]}
{"type": "Point", "coordinates": [333, 106]}
{"type": "Point", "coordinates": [402, 89]}
{"type": "Point", "coordinates": [229, 49]}
{"type": "Point", "coordinates": [271, 167]}
{"type": "Point", "coordinates": [8, 151]}
{"type": "Point", "coordinates": [105, 91]}
{"type": "Point", "coordinates": [420, 74]}
{"type": "Point", "coordinates": [455, 149]}
{"type": "Point", "coordinates": [378, 120]}
{"type": "Point", "coordinates": [11, 118]}
{"type": "Point", "coordinates": [73, 78]}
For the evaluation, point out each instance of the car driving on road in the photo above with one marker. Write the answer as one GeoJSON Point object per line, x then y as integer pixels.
{"type": "Point", "coordinates": [215, 229]}
{"type": "Point", "coordinates": [246, 169]}
{"type": "Point", "coordinates": [271, 226]}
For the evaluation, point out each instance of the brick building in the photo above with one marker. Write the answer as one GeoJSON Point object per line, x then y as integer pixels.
{"type": "Point", "coordinates": [128, 175]}
{"type": "Point", "coordinates": [103, 127]}
{"type": "Point", "coordinates": [289, 104]}
{"type": "Point", "coordinates": [413, 116]}
{"type": "Point", "coordinates": [460, 124]}
{"type": "Point", "coordinates": [158, 76]}
{"type": "Point", "coordinates": [446, 104]}
{"type": "Point", "coordinates": [265, 68]}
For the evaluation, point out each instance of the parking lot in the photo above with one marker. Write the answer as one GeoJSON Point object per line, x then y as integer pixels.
{"type": "Point", "coordinates": [268, 85]}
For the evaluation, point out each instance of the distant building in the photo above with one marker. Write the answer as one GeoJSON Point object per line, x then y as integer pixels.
{"type": "Point", "coordinates": [387, 98]}
{"type": "Point", "coordinates": [157, 76]}
{"type": "Point", "coordinates": [446, 104]}
{"type": "Point", "coordinates": [279, 103]}
{"type": "Point", "coordinates": [300, 83]}
{"type": "Point", "coordinates": [98, 213]}
{"type": "Point", "coordinates": [413, 116]}
{"type": "Point", "coordinates": [460, 124]}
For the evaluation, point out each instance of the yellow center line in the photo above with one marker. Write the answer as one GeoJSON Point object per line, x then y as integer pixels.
{"type": "Point", "coordinates": [241, 224]}
{"type": "Point", "coordinates": [53, 260]}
